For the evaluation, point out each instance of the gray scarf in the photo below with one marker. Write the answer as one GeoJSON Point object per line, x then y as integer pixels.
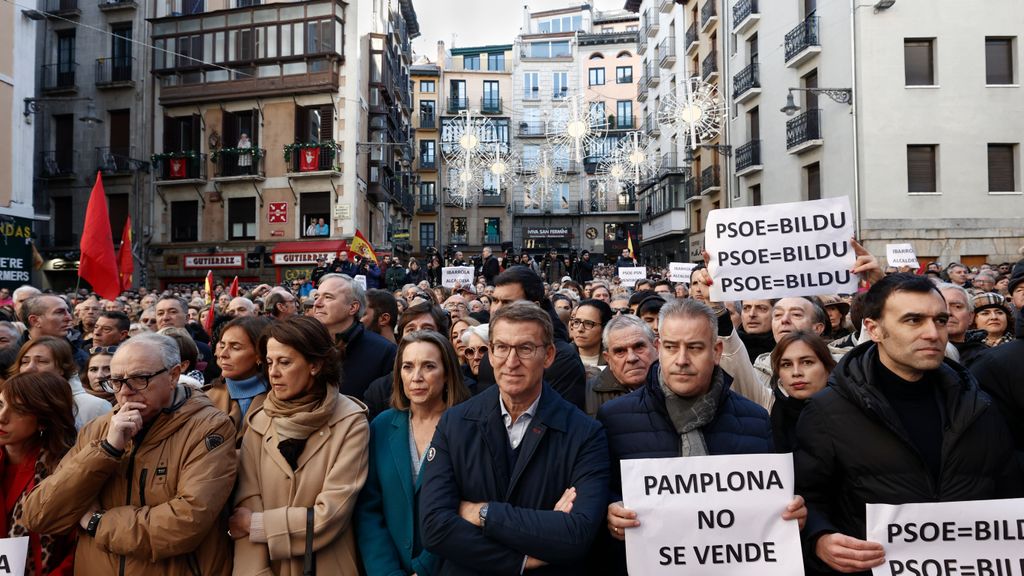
{"type": "Point", "coordinates": [689, 415]}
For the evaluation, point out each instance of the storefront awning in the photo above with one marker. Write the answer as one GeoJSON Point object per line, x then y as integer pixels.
{"type": "Point", "coordinates": [306, 253]}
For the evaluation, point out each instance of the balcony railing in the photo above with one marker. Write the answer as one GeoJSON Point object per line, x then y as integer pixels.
{"type": "Point", "coordinates": [239, 162]}
{"type": "Point", "coordinates": [666, 5]}
{"type": "Point", "coordinates": [60, 76]}
{"type": "Point", "coordinates": [114, 71]}
{"type": "Point", "coordinates": [803, 128]}
{"type": "Point", "coordinates": [804, 36]}
{"type": "Point", "coordinates": [742, 10]}
{"type": "Point", "coordinates": [710, 64]}
{"type": "Point", "coordinates": [745, 80]}
{"type": "Point", "coordinates": [653, 23]}
{"type": "Point", "coordinates": [641, 44]}
{"type": "Point", "coordinates": [312, 158]}
{"type": "Point", "coordinates": [458, 238]}
{"type": "Point", "coordinates": [427, 121]}
{"type": "Point", "coordinates": [490, 105]}
{"type": "Point", "coordinates": [426, 205]}
{"type": "Point", "coordinates": [532, 128]}
{"type": "Point", "coordinates": [106, 5]}
{"type": "Point", "coordinates": [58, 163]}
{"type": "Point", "coordinates": [691, 40]}
{"type": "Point", "coordinates": [623, 123]}
{"type": "Point", "coordinates": [691, 188]}
{"type": "Point", "coordinates": [670, 162]}
{"type": "Point", "coordinates": [185, 165]}
{"type": "Point", "coordinates": [491, 239]}
{"type": "Point", "coordinates": [709, 178]}
{"type": "Point", "coordinates": [492, 198]}
{"type": "Point", "coordinates": [428, 163]}
{"type": "Point", "coordinates": [708, 12]}
{"type": "Point", "coordinates": [62, 7]}
{"type": "Point", "coordinates": [667, 52]}
{"type": "Point", "coordinates": [748, 155]}
{"type": "Point", "coordinates": [456, 105]}
{"type": "Point", "coordinates": [653, 76]}
{"type": "Point", "coordinates": [651, 125]}
{"type": "Point", "coordinates": [114, 160]}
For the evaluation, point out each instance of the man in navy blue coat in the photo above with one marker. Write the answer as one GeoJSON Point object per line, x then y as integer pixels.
{"type": "Point", "coordinates": [516, 478]}
{"type": "Point", "coordinates": [339, 305]}
{"type": "Point", "coordinates": [685, 409]}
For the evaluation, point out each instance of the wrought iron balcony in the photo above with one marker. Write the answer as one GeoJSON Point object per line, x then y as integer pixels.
{"type": "Point", "coordinates": [744, 15]}
{"type": "Point", "coordinates": [114, 160]}
{"type": "Point", "coordinates": [710, 65]}
{"type": "Point", "coordinates": [533, 128]}
{"type": "Point", "coordinates": [115, 72]}
{"type": "Point", "coordinates": [312, 158]}
{"type": "Point", "coordinates": [240, 163]}
{"type": "Point", "coordinates": [653, 77]}
{"type": "Point", "coordinates": [428, 163]}
{"type": "Point", "coordinates": [63, 7]}
{"type": "Point", "coordinates": [803, 129]}
{"type": "Point", "coordinates": [665, 6]}
{"type": "Point", "coordinates": [111, 5]}
{"type": "Point", "coordinates": [427, 204]}
{"type": "Point", "coordinates": [58, 163]}
{"type": "Point", "coordinates": [801, 40]}
{"type": "Point", "coordinates": [491, 197]}
{"type": "Point", "coordinates": [456, 105]}
{"type": "Point", "coordinates": [708, 14]}
{"type": "Point", "coordinates": [653, 23]}
{"type": "Point", "coordinates": [458, 239]}
{"type": "Point", "coordinates": [667, 52]}
{"type": "Point", "coordinates": [748, 157]}
{"type": "Point", "coordinates": [691, 188]}
{"type": "Point", "coordinates": [59, 77]}
{"type": "Point", "coordinates": [179, 166]}
{"type": "Point", "coordinates": [651, 126]}
{"type": "Point", "coordinates": [427, 121]}
{"type": "Point", "coordinates": [670, 162]}
{"type": "Point", "coordinates": [745, 81]}
{"type": "Point", "coordinates": [709, 179]}
{"type": "Point", "coordinates": [641, 44]}
{"type": "Point", "coordinates": [490, 105]}
{"type": "Point", "coordinates": [691, 40]}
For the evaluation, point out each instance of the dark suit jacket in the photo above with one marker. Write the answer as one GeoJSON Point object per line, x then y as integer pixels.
{"type": "Point", "coordinates": [468, 461]}
{"type": "Point", "coordinates": [368, 356]}
{"type": "Point", "coordinates": [386, 526]}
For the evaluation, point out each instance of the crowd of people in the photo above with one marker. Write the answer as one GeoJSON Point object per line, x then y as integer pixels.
{"type": "Point", "coordinates": [404, 427]}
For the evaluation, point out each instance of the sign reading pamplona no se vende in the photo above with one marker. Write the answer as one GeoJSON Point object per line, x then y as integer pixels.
{"type": "Point", "coordinates": [711, 516]}
{"type": "Point", "coordinates": [779, 250]}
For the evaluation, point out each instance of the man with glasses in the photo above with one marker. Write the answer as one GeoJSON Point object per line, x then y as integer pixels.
{"type": "Point", "coordinates": [502, 462]}
{"type": "Point", "coordinates": [148, 318]}
{"type": "Point", "coordinates": [281, 304]}
{"type": "Point", "coordinates": [455, 306]}
{"type": "Point", "coordinates": [165, 438]}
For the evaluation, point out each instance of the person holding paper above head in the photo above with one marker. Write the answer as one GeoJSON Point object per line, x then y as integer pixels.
{"type": "Point", "coordinates": [897, 424]}
{"type": "Point", "coordinates": [685, 408]}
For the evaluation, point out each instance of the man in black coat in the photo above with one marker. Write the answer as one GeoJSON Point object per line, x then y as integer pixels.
{"type": "Point", "coordinates": [566, 374]}
{"type": "Point", "coordinates": [999, 372]}
{"type": "Point", "coordinates": [583, 271]}
{"type": "Point", "coordinates": [489, 268]}
{"type": "Point", "coordinates": [897, 424]}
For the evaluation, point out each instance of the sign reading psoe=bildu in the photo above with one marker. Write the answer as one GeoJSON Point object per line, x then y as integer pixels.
{"type": "Point", "coordinates": [778, 250]}
{"type": "Point", "coordinates": [711, 515]}
{"type": "Point", "coordinates": [977, 538]}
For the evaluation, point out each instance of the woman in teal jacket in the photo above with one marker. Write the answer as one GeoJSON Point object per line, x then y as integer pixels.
{"type": "Point", "coordinates": [428, 381]}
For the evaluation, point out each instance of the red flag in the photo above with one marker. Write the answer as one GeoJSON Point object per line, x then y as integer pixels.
{"type": "Point", "coordinates": [98, 265]}
{"type": "Point", "coordinates": [125, 264]}
{"type": "Point", "coordinates": [233, 291]}
{"type": "Point", "coordinates": [309, 159]}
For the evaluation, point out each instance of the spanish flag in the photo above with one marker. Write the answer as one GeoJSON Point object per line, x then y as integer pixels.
{"type": "Point", "coordinates": [209, 286]}
{"type": "Point", "coordinates": [125, 265]}
{"type": "Point", "coordinates": [629, 245]}
{"type": "Point", "coordinates": [360, 245]}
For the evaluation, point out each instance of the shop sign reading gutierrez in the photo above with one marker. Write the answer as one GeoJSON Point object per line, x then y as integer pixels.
{"type": "Point", "coordinates": [210, 261]}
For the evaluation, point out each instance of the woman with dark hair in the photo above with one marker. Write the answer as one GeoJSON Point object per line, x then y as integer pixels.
{"type": "Point", "coordinates": [428, 381]}
{"type": "Point", "coordinates": [54, 355]}
{"type": "Point", "coordinates": [434, 270]}
{"type": "Point", "coordinates": [802, 363]}
{"type": "Point", "coordinates": [97, 371]}
{"type": "Point", "coordinates": [303, 460]}
{"type": "Point", "coordinates": [585, 326]}
{"type": "Point", "coordinates": [415, 275]}
{"type": "Point", "coordinates": [37, 428]}
{"type": "Point", "coordinates": [242, 385]}
{"type": "Point", "coordinates": [993, 315]}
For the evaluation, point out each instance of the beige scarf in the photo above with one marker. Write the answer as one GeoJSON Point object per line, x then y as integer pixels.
{"type": "Point", "coordinates": [300, 417]}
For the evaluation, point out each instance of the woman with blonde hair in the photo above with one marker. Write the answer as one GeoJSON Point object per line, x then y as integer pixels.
{"type": "Point", "coordinates": [54, 355]}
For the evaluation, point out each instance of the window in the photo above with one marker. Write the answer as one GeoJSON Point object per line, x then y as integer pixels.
{"type": "Point", "coordinates": [813, 178]}
{"type": "Point", "coordinates": [597, 112]}
{"type": "Point", "coordinates": [492, 230]}
{"type": "Point", "coordinates": [531, 86]}
{"type": "Point", "coordinates": [921, 168]}
{"type": "Point", "coordinates": [314, 123]}
{"type": "Point", "coordinates": [597, 76]}
{"type": "Point", "coordinates": [623, 74]}
{"type": "Point", "coordinates": [459, 230]}
{"type": "Point", "coordinates": [1001, 168]}
{"type": "Point", "coordinates": [624, 113]}
{"type": "Point", "coordinates": [428, 194]}
{"type": "Point", "coordinates": [241, 219]}
{"type": "Point", "coordinates": [65, 58]}
{"type": "Point", "coordinates": [428, 235]}
{"type": "Point", "coordinates": [998, 61]}
{"type": "Point", "coordinates": [121, 52]}
{"type": "Point", "coordinates": [185, 221]}
{"type": "Point", "coordinates": [563, 24]}
{"type": "Point", "coordinates": [560, 85]}
{"type": "Point", "coordinates": [919, 61]}
{"type": "Point", "coordinates": [496, 62]}
{"type": "Point", "coordinates": [428, 154]}
{"type": "Point", "coordinates": [427, 86]}
{"type": "Point", "coordinates": [316, 214]}
{"type": "Point", "coordinates": [755, 195]}
{"type": "Point", "coordinates": [492, 97]}
{"type": "Point", "coordinates": [554, 49]}
{"type": "Point", "coordinates": [471, 62]}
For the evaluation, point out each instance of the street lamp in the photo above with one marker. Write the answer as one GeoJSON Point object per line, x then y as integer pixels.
{"type": "Point", "coordinates": [840, 95]}
{"type": "Point", "coordinates": [34, 106]}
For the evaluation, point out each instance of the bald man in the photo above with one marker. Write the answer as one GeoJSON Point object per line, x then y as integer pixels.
{"type": "Point", "coordinates": [239, 307]}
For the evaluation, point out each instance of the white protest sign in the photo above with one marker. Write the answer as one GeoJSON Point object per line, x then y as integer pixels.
{"type": "Point", "coordinates": [680, 271]}
{"type": "Point", "coordinates": [977, 538]}
{"type": "Point", "coordinates": [361, 280]}
{"type": "Point", "coordinates": [13, 554]}
{"type": "Point", "coordinates": [715, 515]}
{"type": "Point", "coordinates": [901, 255]}
{"type": "Point", "coordinates": [629, 275]}
{"type": "Point", "coordinates": [452, 274]}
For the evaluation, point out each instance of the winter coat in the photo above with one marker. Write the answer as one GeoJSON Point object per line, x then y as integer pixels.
{"type": "Point", "coordinates": [554, 270]}
{"type": "Point", "coordinates": [853, 449]}
{"type": "Point", "coordinates": [489, 269]}
{"type": "Point", "coordinates": [368, 356]}
{"type": "Point", "coordinates": [999, 373]}
{"type": "Point", "coordinates": [395, 277]}
{"type": "Point", "coordinates": [584, 271]}
{"type": "Point", "coordinates": [185, 465]}
{"type": "Point", "coordinates": [330, 473]}
{"type": "Point", "coordinates": [972, 348]}
{"type": "Point", "coordinates": [373, 280]}
{"type": "Point", "coordinates": [416, 276]}
{"type": "Point", "coordinates": [222, 400]}
{"type": "Point", "coordinates": [602, 389]}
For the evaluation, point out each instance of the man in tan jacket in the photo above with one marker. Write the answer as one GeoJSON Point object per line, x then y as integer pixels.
{"type": "Point", "coordinates": [146, 484]}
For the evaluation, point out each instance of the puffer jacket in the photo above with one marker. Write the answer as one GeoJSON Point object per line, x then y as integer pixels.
{"type": "Point", "coordinates": [852, 449]}
{"type": "Point", "coordinates": [185, 467]}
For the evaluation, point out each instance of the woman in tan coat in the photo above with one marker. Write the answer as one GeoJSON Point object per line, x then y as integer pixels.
{"type": "Point", "coordinates": [242, 384]}
{"type": "Point", "coordinates": [304, 460]}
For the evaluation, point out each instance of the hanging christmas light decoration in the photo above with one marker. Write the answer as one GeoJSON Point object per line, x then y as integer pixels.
{"type": "Point", "coordinates": [503, 168]}
{"type": "Point", "coordinates": [634, 158]}
{"type": "Point", "coordinates": [696, 114]}
{"type": "Point", "coordinates": [464, 184]}
{"type": "Point", "coordinates": [575, 126]}
{"type": "Point", "coordinates": [544, 175]}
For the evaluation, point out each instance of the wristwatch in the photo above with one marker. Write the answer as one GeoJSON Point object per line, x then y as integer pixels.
{"type": "Point", "coordinates": [94, 523]}
{"type": "Point", "coordinates": [483, 515]}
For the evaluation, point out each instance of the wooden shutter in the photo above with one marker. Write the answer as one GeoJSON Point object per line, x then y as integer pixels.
{"type": "Point", "coordinates": [229, 129]}
{"type": "Point", "coordinates": [172, 134]}
{"type": "Point", "coordinates": [300, 125]}
{"type": "Point", "coordinates": [1000, 168]}
{"type": "Point", "coordinates": [327, 122]}
{"type": "Point", "coordinates": [814, 182]}
{"type": "Point", "coordinates": [196, 137]}
{"type": "Point", "coordinates": [998, 61]}
{"type": "Point", "coordinates": [921, 168]}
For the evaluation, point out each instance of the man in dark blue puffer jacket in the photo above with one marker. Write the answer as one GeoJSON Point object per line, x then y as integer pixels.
{"type": "Point", "coordinates": [685, 409]}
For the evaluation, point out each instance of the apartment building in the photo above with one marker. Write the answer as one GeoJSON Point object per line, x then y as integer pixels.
{"type": "Point", "coordinates": [280, 129]}
{"type": "Point", "coordinates": [89, 115]}
{"type": "Point", "coordinates": [427, 97]}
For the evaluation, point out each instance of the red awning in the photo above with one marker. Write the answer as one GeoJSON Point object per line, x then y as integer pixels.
{"type": "Point", "coordinates": [310, 246]}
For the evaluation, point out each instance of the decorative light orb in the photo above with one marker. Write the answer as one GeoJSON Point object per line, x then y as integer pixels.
{"type": "Point", "coordinates": [696, 114]}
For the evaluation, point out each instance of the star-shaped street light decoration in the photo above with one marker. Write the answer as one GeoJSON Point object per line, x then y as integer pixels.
{"type": "Point", "coordinates": [696, 114]}
{"type": "Point", "coordinates": [575, 126]}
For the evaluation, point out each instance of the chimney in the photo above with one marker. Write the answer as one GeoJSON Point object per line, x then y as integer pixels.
{"type": "Point", "coordinates": [441, 53]}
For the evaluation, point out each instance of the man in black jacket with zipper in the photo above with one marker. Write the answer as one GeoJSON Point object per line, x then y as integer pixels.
{"type": "Point", "coordinates": [897, 424]}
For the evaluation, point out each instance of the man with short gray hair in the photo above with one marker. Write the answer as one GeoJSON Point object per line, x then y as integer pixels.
{"type": "Point", "coordinates": [969, 344]}
{"type": "Point", "coordinates": [166, 438]}
{"type": "Point", "coordinates": [240, 307]}
{"type": "Point", "coordinates": [630, 349]}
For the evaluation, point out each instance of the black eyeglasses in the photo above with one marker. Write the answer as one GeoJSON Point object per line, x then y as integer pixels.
{"type": "Point", "coordinates": [136, 383]}
{"type": "Point", "coordinates": [625, 310]}
{"type": "Point", "coordinates": [588, 324]}
{"type": "Point", "coordinates": [108, 350]}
